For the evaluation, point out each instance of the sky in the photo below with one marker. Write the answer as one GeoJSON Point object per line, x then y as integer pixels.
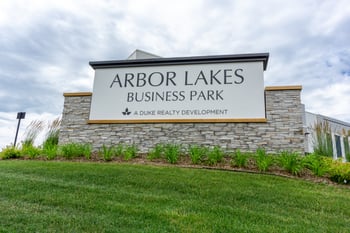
{"type": "Point", "coordinates": [46, 46]}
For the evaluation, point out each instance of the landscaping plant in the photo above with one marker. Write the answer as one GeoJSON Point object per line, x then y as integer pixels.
{"type": "Point", "coordinates": [52, 134]}
{"type": "Point", "coordinates": [130, 152]}
{"type": "Point", "coordinates": [317, 164]}
{"type": "Point", "coordinates": [30, 150]}
{"type": "Point", "coordinates": [32, 132]}
{"type": "Point", "coordinates": [106, 152]}
{"type": "Point", "coordinates": [50, 150]}
{"type": "Point", "coordinates": [263, 160]}
{"type": "Point", "coordinates": [197, 153]}
{"type": "Point", "coordinates": [340, 172]}
{"type": "Point", "coordinates": [70, 150]}
{"type": "Point", "coordinates": [119, 149]}
{"type": "Point", "coordinates": [346, 147]}
{"type": "Point", "coordinates": [321, 166]}
{"type": "Point", "coordinates": [323, 141]}
{"type": "Point", "coordinates": [215, 155]}
{"type": "Point", "coordinates": [86, 150]}
{"type": "Point", "coordinates": [239, 159]}
{"type": "Point", "coordinates": [10, 152]}
{"type": "Point", "coordinates": [172, 153]}
{"type": "Point", "coordinates": [156, 152]}
{"type": "Point", "coordinates": [74, 150]}
{"type": "Point", "coordinates": [291, 162]}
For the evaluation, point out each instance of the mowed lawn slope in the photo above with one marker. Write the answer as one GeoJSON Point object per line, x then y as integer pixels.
{"type": "Point", "coordinates": [39, 196]}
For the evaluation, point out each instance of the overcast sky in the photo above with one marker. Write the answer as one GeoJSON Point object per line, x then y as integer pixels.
{"type": "Point", "coordinates": [45, 46]}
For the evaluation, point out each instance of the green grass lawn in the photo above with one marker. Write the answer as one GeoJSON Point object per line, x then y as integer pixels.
{"type": "Point", "coordinates": [39, 196]}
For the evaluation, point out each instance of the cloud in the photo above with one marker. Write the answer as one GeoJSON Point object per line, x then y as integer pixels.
{"type": "Point", "coordinates": [45, 46]}
{"type": "Point", "coordinates": [323, 99]}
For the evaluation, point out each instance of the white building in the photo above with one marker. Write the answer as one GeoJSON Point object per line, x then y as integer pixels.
{"type": "Point", "coordinates": [335, 131]}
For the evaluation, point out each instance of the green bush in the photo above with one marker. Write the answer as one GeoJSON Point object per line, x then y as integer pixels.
{"type": "Point", "coordinates": [291, 162]}
{"type": "Point", "coordinates": [51, 141]}
{"type": "Point", "coordinates": [10, 152]}
{"type": "Point", "coordinates": [317, 164]}
{"type": "Point", "coordinates": [215, 155]}
{"type": "Point", "coordinates": [130, 152]}
{"type": "Point", "coordinates": [74, 150]}
{"type": "Point", "coordinates": [50, 150]}
{"type": "Point", "coordinates": [340, 172]}
{"type": "Point", "coordinates": [263, 160]}
{"type": "Point", "coordinates": [172, 153]}
{"type": "Point", "coordinates": [87, 150]}
{"type": "Point", "coordinates": [69, 150]}
{"type": "Point", "coordinates": [240, 159]}
{"type": "Point", "coordinates": [106, 152]}
{"type": "Point", "coordinates": [197, 153]}
{"type": "Point", "coordinates": [31, 151]}
{"type": "Point", "coordinates": [156, 152]}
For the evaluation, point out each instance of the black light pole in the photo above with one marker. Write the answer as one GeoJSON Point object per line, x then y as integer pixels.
{"type": "Point", "coordinates": [20, 115]}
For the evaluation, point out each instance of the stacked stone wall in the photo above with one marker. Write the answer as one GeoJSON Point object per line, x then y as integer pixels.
{"type": "Point", "coordinates": [282, 131]}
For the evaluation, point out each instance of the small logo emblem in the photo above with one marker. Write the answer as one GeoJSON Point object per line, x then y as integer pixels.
{"type": "Point", "coordinates": [126, 112]}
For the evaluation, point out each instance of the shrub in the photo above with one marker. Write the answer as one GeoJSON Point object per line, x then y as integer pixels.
{"type": "Point", "coordinates": [50, 150]}
{"type": "Point", "coordinates": [106, 152]}
{"type": "Point", "coordinates": [30, 150]}
{"type": "Point", "coordinates": [172, 153]}
{"type": "Point", "coordinates": [69, 150]}
{"type": "Point", "coordinates": [215, 155]}
{"type": "Point", "coordinates": [86, 150]}
{"type": "Point", "coordinates": [340, 172]}
{"type": "Point", "coordinates": [73, 150]}
{"type": "Point", "coordinates": [317, 164]}
{"type": "Point", "coordinates": [263, 160]}
{"type": "Point", "coordinates": [130, 152]}
{"type": "Point", "coordinates": [197, 153]}
{"type": "Point", "coordinates": [291, 162]}
{"type": "Point", "coordinates": [239, 159]}
{"type": "Point", "coordinates": [156, 152]}
{"type": "Point", "coordinates": [10, 152]}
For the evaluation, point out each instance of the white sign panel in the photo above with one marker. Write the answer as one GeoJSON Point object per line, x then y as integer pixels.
{"type": "Point", "coordinates": [217, 92]}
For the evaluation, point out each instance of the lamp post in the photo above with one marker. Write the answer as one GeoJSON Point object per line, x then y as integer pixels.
{"type": "Point", "coordinates": [20, 115]}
